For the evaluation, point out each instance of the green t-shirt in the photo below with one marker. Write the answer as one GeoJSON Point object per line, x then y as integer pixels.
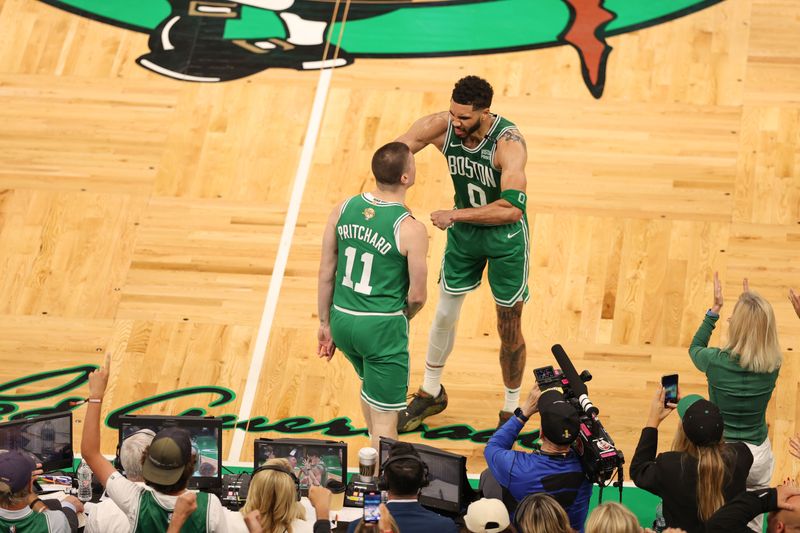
{"type": "Point", "coordinates": [741, 395]}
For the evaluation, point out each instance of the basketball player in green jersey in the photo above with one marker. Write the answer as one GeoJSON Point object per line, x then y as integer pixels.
{"type": "Point", "coordinates": [372, 281]}
{"type": "Point", "coordinates": [486, 156]}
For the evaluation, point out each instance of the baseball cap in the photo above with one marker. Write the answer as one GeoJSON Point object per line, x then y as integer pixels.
{"type": "Point", "coordinates": [560, 422]}
{"type": "Point", "coordinates": [168, 455]}
{"type": "Point", "coordinates": [702, 420]}
{"type": "Point", "coordinates": [15, 471]}
{"type": "Point", "coordinates": [487, 515]}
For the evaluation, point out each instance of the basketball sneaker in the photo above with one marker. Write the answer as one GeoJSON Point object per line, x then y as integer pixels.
{"type": "Point", "coordinates": [421, 407]}
{"type": "Point", "coordinates": [503, 418]}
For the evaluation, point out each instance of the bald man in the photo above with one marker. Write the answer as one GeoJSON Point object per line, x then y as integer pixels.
{"type": "Point", "coordinates": [782, 504]}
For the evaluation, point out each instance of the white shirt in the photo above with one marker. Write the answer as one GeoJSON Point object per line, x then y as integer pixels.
{"type": "Point", "coordinates": [126, 495]}
{"type": "Point", "coordinates": [56, 521]}
{"type": "Point", "coordinates": [107, 517]}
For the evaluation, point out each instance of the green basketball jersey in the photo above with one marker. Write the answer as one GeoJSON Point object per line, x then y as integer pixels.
{"type": "Point", "coordinates": [475, 178]}
{"type": "Point", "coordinates": [371, 273]}
{"type": "Point", "coordinates": [33, 523]}
{"type": "Point", "coordinates": [153, 517]}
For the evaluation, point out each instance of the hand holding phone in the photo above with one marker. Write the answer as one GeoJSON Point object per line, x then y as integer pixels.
{"type": "Point", "coordinates": [670, 384]}
{"type": "Point", "coordinates": [372, 502]}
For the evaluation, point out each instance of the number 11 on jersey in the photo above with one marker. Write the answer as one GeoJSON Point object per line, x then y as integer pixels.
{"type": "Point", "coordinates": [362, 286]}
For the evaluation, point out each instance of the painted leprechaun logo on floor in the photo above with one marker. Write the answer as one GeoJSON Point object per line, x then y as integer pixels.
{"type": "Point", "coordinates": [221, 40]}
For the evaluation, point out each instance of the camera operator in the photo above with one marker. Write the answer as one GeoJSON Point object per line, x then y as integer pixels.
{"type": "Point", "coordinates": [554, 469]}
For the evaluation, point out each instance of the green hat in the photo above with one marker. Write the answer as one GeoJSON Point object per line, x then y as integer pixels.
{"type": "Point", "coordinates": [686, 402]}
{"type": "Point", "coordinates": [167, 457]}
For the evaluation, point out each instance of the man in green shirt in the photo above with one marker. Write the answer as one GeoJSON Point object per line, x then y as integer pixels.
{"type": "Point", "coordinates": [372, 281]}
{"type": "Point", "coordinates": [168, 466]}
{"type": "Point", "coordinates": [21, 510]}
{"type": "Point", "coordinates": [486, 157]}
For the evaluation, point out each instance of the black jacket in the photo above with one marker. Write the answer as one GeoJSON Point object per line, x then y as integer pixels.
{"type": "Point", "coordinates": [673, 476]}
{"type": "Point", "coordinates": [734, 516]}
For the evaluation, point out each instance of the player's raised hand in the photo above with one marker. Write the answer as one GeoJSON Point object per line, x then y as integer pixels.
{"type": "Point", "coordinates": [442, 219]}
{"type": "Point", "coordinates": [325, 345]}
{"type": "Point", "coordinates": [718, 300]}
{"type": "Point", "coordinates": [795, 299]}
{"type": "Point", "coordinates": [745, 285]}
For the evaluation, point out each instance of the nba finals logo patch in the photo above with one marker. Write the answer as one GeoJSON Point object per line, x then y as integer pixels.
{"type": "Point", "coordinates": [368, 213]}
{"type": "Point", "coordinates": [486, 153]}
{"type": "Point", "coordinates": [223, 40]}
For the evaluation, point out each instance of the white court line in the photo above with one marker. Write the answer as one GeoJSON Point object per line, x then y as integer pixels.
{"type": "Point", "coordinates": [271, 304]}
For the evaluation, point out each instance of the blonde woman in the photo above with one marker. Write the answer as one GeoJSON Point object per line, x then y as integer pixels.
{"type": "Point", "coordinates": [540, 513]}
{"type": "Point", "coordinates": [273, 493]}
{"type": "Point", "coordinates": [701, 472]}
{"type": "Point", "coordinates": [612, 517]}
{"type": "Point", "coordinates": [742, 374]}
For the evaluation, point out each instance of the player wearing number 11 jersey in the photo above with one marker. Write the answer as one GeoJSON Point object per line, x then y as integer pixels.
{"type": "Point", "coordinates": [372, 278]}
{"type": "Point", "coordinates": [486, 156]}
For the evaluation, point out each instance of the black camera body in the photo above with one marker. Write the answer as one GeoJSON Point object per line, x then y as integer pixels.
{"type": "Point", "coordinates": [598, 454]}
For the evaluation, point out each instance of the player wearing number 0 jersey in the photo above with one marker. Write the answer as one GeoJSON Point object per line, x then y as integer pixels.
{"type": "Point", "coordinates": [371, 282]}
{"type": "Point", "coordinates": [486, 157]}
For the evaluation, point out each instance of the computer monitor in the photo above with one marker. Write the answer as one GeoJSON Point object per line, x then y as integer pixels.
{"type": "Point", "coordinates": [206, 435]}
{"type": "Point", "coordinates": [448, 490]}
{"type": "Point", "coordinates": [314, 462]}
{"type": "Point", "coordinates": [46, 438]}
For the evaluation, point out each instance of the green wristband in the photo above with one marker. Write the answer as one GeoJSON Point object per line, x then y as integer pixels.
{"type": "Point", "coordinates": [515, 198]}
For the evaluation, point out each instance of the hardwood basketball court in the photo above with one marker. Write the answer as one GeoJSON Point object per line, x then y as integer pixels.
{"type": "Point", "coordinates": [154, 219]}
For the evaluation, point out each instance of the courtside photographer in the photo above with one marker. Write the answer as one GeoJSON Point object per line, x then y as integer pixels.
{"type": "Point", "coordinates": [567, 462]}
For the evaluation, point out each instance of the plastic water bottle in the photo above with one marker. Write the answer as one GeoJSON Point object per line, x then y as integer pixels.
{"type": "Point", "coordinates": [84, 482]}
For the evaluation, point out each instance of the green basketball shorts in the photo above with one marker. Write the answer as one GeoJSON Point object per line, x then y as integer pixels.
{"type": "Point", "coordinates": [505, 248]}
{"type": "Point", "coordinates": [377, 346]}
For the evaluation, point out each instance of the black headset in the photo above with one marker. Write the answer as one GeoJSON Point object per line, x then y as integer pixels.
{"type": "Point", "coordinates": [277, 468]}
{"type": "Point", "coordinates": [117, 459]}
{"type": "Point", "coordinates": [383, 483]}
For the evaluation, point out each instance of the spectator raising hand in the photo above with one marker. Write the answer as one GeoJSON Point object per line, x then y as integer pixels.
{"type": "Point", "coordinates": [794, 445]}
{"type": "Point", "coordinates": [750, 357]}
{"type": "Point", "coordinates": [795, 299]}
{"type": "Point", "coordinates": [253, 521]}
{"type": "Point", "coordinates": [658, 409]}
{"type": "Point", "coordinates": [185, 505]}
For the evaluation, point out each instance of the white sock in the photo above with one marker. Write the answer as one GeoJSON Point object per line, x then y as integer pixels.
{"type": "Point", "coordinates": [432, 383]}
{"type": "Point", "coordinates": [512, 400]}
{"type": "Point", "coordinates": [440, 340]}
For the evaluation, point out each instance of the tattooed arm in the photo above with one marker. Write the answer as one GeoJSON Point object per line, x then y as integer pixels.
{"type": "Point", "coordinates": [510, 156]}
